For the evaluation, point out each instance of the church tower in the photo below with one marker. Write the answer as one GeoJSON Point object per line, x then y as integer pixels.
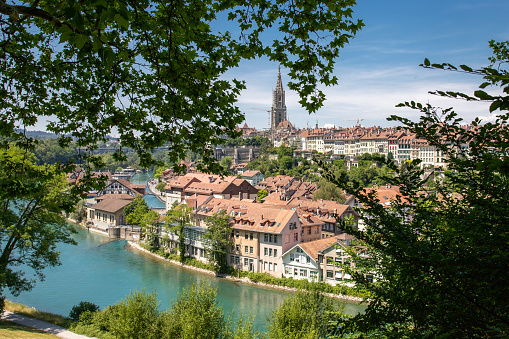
{"type": "Point", "coordinates": [278, 110]}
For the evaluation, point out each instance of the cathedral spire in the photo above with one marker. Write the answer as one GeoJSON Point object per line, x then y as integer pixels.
{"type": "Point", "coordinates": [279, 84]}
{"type": "Point", "coordinates": [278, 110]}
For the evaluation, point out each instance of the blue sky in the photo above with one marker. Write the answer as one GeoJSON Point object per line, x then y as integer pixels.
{"type": "Point", "coordinates": [379, 68]}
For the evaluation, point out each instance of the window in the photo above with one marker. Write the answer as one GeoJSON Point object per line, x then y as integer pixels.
{"type": "Point", "coordinates": [251, 236]}
{"type": "Point", "coordinates": [270, 238]}
{"type": "Point", "coordinates": [237, 234]}
{"type": "Point", "coordinates": [303, 273]}
{"type": "Point", "coordinates": [270, 266]}
{"type": "Point", "coordinates": [265, 266]}
{"type": "Point", "coordinates": [330, 274]}
{"type": "Point", "coordinates": [338, 260]}
{"type": "Point", "coordinates": [329, 261]}
{"type": "Point", "coordinates": [246, 249]}
{"type": "Point", "coordinates": [287, 270]}
{"type": "Point", "coordinates": [275, 252]}
{"type": "Point", "coordinates": [295, 272]}
{"type": "Point", "coordinates": [275, 239]}
{"type": "Point", "coordinates": [270, 252]}
{"type": "Point", "coordinates": [292, 257]}
{"type": "Point", "coordinates": [237, 248]}
{"type": "Point", "coordinates": [246, 262]}
{"type": "Point", "coordinates": [296, 237]}
{"type": "Point", "coordinates": [251, 249]}
{"type": "Point", "coordinates": [266, 238]}
{"type": "Point", "coordinates": [232, 259]}
{"type": "Point", "coordinates": [237, 260]}
{"type": "Point", "coordinates": [313, 275]}
{"type": "Point", "coordinates": [275, 267]}
{"type": "Point", "coordinates": [246, 236]}
{"type": "Point", "coordinates": [309, 230]}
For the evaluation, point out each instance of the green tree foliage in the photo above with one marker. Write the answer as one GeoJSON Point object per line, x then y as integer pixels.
{"type": "Point", "coordinates": [83, 306]}
{"type": "Point", "coordinates": [441, 258]}
{"type": "Point", "coordinates": [136, 210]}
{"type": "Point", "coordinates": [160, 186]}
{"type": "Point", "coordinates": [328, 191]}
{"type": "Point", "coordinates": [216, 239]}
{"type": "Point", "coordinates": [50, 152]}
{"type": "Point", "coordinates": [177, 219]}
{"type": "Point", "coordinates": [154, 70]}
{"type": "Point", "coordinates": [80, 211]}
{"type": "Point", "coordinates": [195, 313]}
{"type": "Point", "coordinates": [32, 199]}
{"type": "Point", "coordinates": [261, 194]}
{"type": "Point", "coordinates": [150, 228]}
{"type": "Point", "coordinates": [226, 163]}
{"type": "Point", "coordinates": [286, 163]}
{"type": "Point", "coordinates": [159, 171]}
{"type": "Point", "coordinates": [303, 315]}
{"type": "Point", "coordinates": [283, 151]}
{"type": "Point", "coordinates": [133, 317]}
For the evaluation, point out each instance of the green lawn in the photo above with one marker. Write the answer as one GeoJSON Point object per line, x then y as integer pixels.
{"type": "Point", "coordinates": [10, 330]}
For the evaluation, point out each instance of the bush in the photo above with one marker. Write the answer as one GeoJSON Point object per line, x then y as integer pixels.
{"type": "Point", "coordinates": [135, 316]}
{"type": "Point", "coordinates": [82, 307]}
{"type": "Point", "coordinates": [195, 314]}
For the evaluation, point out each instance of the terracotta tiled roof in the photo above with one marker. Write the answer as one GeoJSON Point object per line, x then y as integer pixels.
{"type": "Point", "coordinates": [250, 174]}
{"type": "Point", "coordinates": [313, 247]}
{"type": "Point", "coordinates": [250, 216]}
{"type": "Point", "coordinates": [111, 205]}
{"type": "Point", "coordinates": [114, 196]}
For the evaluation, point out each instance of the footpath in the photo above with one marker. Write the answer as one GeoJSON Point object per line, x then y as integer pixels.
{"type": "Point", "coordinates": [42, 325]}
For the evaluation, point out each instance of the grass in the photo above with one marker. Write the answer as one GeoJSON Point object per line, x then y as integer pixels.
{"type": "Point", "coordinates": [10, 330]}
{"type": "Point", "coordinates": [44, 316]}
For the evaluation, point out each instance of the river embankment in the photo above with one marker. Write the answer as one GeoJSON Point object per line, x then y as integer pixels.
{"type": "Point", "coordinates": [244, 280]}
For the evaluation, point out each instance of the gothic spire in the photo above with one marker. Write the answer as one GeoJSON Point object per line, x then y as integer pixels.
{"type": "Point", "coordinates": [279, 85]}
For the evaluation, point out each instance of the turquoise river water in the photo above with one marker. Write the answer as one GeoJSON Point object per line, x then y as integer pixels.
{"type": "Point", "coordinates": [104, 272]}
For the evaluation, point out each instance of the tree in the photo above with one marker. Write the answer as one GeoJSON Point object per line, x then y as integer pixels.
{"type": "Point", "coordinates": [328, 191]}
{"type": "Point", "coordinates": [160, 186]}
{"type": "Point", "coordinates": [285, 163]}
{"type": "Point", "coordinates": [136, 210]}
{"type": "Point", "coordinates": [134, 317]}
{"type": "Point", "coordinates": [226, 163]}
{"type": "Point", "coordinates": [153, 70]}
{"type": "Point", "coordinates": [177, 220]}
{"type": "Point", "coordinates": [80, 211]}
{"type": "Point", "coordinates": [303, 315]}
{"type": "Point", "coordinates": [150, 228]}
{"type": "Point", "coordinates": [195, 313]}
{"type": "Point", "coordinates": [441, 257]}
{"type": "Point", "coordinates": [32, 199]}
{"type": "Point", "coordinates": [261, 194]}
{"type": "Point", "coordinates": [216, 239]}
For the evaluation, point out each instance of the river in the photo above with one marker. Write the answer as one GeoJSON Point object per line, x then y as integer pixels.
{"type": "Point", "coordinates": [104, 272]}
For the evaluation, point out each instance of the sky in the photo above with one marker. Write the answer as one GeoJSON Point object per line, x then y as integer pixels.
{"type": "Point", "coordinates": [379, 68]}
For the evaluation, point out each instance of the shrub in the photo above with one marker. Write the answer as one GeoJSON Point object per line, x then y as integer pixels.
{"type": "Point", "coordinates": [83, 306]}
{"type": "Point", "coordinates": [135, 316]}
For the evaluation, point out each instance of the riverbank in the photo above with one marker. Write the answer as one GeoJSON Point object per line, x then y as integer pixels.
{"type": "Point", "coordinates": [244, 280]}
{"type": "Point", "coordinates": [89, 228]}
{"type": "Point", "coordinates": [151, 185]}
